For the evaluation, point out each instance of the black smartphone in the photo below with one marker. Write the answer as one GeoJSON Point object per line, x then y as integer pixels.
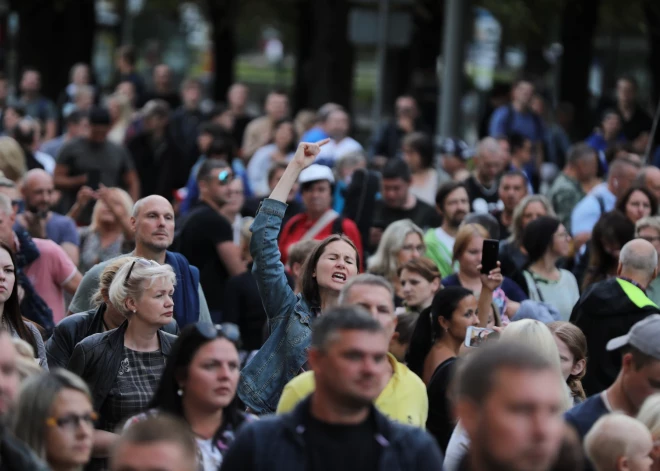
{"type": "Point", "coordinates": [489, 255]}
{"type": "Point", "coordinates": [94, 179]}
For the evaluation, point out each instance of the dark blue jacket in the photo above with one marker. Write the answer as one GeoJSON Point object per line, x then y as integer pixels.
{"type": "Point", "coordinates": [278, 444]}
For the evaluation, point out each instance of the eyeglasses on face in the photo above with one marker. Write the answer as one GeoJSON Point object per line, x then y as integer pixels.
{"type": "Point", "coordinates": [71, 422]}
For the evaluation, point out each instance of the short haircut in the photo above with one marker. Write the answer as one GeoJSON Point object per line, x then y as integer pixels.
{"type": "Point", "coordinates": [613, 436]}
{"type": "Point", "coordinates": [643, 262]}
{"type": "Point", "coordinates": [159, 428]}
{"type": "Point", "coordinates": [485, 220]}
{"type": "Point", "coordinates": [221, 146]}
{"type": "Point", "coordinates": [579, 151]}
{"type": "Point", "coordinates": [475, 377]}
{"type": "Point", "coordinates": [405, 326]}
{"type": "Point", "coordinates": [361, 280]}
{"type": "Point", "coordinates": [208, 166]}
{"type": "Point", "coordinates": [516, 142]}
{"type": "Point", "coordinates": [326, 327]}
{"type": "Point", "coordinates": [515, 173]}
{"type": "Point", "coordinates": [397, 168]}
{"type": "Point", "coordinates": [648, 222]}
{"type": "Point", "coordinates": [214, 129]}
{"type": "Point", "coordinates": [630, 79]}
{"type": "Point", "coordinates": [156, 108]}
{"type": "Point", "coordinates": [74, 117]}
{"type": "Point", "coordinates": [445, 190]}
{"type": "Point", "coordinates": [299, 251]}
{"type": "Point", "coordinates": [639, 359]}
{"type": "Point", "coordinates": [142, 277]}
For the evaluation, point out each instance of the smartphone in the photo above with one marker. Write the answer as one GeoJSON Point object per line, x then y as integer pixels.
{"type": "Point", "coordinates": [94, 179]}
{"type": "Point", "coordinates": [476, 336]}
{"type": "Point", "coordinates": [489, 255]}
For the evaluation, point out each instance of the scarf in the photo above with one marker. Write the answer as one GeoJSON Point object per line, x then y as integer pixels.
{"type": "Point", "coordinates": [33, 306]}
{"type": "Point", "coordinates": [186, 298]}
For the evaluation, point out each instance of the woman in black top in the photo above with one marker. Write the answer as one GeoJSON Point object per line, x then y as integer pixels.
{"type": "Point", "coordinates": [123, 366]}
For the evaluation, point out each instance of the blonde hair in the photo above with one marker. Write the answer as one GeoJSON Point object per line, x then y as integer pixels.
{"type": "Point", "coordinates": [652, 222]}
{"type": "Point", "coordinates": [649, 414]}
{"type": "Point", "coordinates": [12, 159]}
{"type": "Point", "coordinates": [125, 108]}
{"type": "Point", "coordinates": [613, 436]}
{"type": "Point", "coordinates": [384, 261]}
{"type": "Point", "coordinates": [516, 225]}
{"type": "Point", "coordinates": [26, 364]}
{"type": "Point", "coordinates": [539, 337]}
{"type": "Point", "coordinates": [143, 274]}
{"type": "Point", "coordinates": [105, 280]}
{"type": "Point", "coordinates": [126, 201]}
{"type": "Point", "coordinates": [464, 236]}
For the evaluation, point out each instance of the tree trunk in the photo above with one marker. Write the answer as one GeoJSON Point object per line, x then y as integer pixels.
{"type": "Point", "coordinates": [301, 85]}
{"type": "Point", "coordinates": [223, 15]}
{"type": "Point", "coordinates": [326, 71]}
{"type": "Point", "coordinates": [652, 14]}
{"type": "Point", "coordinates": [579, 21]}
{"type": "Point", "coordinates": [53, 36]}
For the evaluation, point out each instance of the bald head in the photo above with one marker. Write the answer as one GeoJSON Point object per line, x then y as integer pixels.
{"type": "Point", "coordinates": [616, 436]}
{"type": "Point", "coordinates": [650, 178]}
{"type": "Point", "coordinates": [38, 191]}
{"type": "Point", "coordinates": [489, 160]}
{"type": "Point", "coordinates": [638, 260]}
{"type": "Point", "coordinates": [153, 223]}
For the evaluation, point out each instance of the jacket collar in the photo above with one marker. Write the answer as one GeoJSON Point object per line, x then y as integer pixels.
{"type": "Point", "coordinates": [96, 325]}
{"type": "Point", "coordinates": [116, 339]}
{"type": "Point", "coordinates": [296, 422]}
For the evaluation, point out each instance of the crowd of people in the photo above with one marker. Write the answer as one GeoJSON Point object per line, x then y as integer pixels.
{"type": "Point", "coordinates": [186, 286]}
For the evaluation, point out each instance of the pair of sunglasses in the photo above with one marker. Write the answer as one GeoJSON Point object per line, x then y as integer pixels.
{"type": "Point", "coordinates": [141, 261]}
{"type": "Point", "coordinates": [225, 177]}
{"type": "Point", "coordinates": [225, 330]}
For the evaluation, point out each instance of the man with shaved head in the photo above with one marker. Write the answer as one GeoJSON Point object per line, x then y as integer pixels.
{"type": "Point", "coordinates": [482, 185]}
{"type": "Point", "coordinates": [153, 224]}
{"type": "Point", "coordinates": [649, 177]}
{"type": "Point", "coordinates": [610, 308]}
{"type": "Point", "coordinates": [39, 219]}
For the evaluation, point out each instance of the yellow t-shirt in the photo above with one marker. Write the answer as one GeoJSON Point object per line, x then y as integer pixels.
{"type": "Point", "coordinates": [403, 400]}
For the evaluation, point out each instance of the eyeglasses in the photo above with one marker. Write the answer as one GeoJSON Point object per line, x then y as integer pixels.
{"type": "Point", "coordinates": [225, 330]}
{"type": "Point", "coordinates": [71, 422]}
{"type": "Point", "coordinates": [225, 177]}
{"type": "Point", "coordinates": [141, 261]}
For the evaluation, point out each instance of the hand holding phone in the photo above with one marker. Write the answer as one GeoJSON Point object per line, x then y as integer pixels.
{"type": "Point", "coordinates": [476, 336]}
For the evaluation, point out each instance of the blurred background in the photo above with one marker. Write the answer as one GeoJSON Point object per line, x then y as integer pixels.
{"type": "Point", "coordinates": [361, 54]}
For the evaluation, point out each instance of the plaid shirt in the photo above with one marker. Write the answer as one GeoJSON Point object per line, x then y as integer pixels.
{"type": "Point", "coordinates": [134, 386]}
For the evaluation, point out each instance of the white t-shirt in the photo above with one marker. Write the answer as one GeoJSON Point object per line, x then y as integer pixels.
{"type": "Point", "coordinates": [210, 454]}
{"type": "Point", "coordinates": [446, 239]}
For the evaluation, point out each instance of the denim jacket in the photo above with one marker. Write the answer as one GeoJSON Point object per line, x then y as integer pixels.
{"type": "Point", "coordinates": [289, 317]}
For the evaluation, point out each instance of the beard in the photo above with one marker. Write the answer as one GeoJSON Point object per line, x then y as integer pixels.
{"type": "Point", "coordinates": [456, 219]}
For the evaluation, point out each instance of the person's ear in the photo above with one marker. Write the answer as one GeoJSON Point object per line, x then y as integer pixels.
{"type": "Point", "coordinates": [130, 304]}
{"type": "Point", "coordinates": [655, 273]}
{"type": "Point", "coordinates": [626, 362]}
{"type": "Point", "coordinates": [578, 367]}
{"type": "Point", "coordinates": [444, 323]}
{"type": "Point", "coordinates": [133, 224]}
{"type": "Point", "coordinates": [619, 269]}
{"type": "Point", "coordinates": [314, 357]}
{"type": "Point", "coordinates": [622, 463]}
{"type": "Point", "coordinates": [435, 285]}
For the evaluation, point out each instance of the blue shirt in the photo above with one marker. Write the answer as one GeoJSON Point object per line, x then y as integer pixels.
{"type": "Point", "coordinates": [60, 229]}
{"type": "Point", "coordinates": [314, 135]}
{"type": "Point", "coordinates": [583, 416]}
{"type": "Point", "coordinates": [587, 212]}
{"type": "Point", "coordinates": [526, 124]}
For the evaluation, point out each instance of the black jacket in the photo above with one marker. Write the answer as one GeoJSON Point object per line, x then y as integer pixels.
{"type": "Point", "coordinates": [281, 446]}
{"type": "Point", "coordinates": [76, 327]}
{"type": "Point", "coordinates": [608, 309]}
{"type": "Point", "coordinates": [97, 358]}
{"type": "Point", "coordinates": [16, 455]}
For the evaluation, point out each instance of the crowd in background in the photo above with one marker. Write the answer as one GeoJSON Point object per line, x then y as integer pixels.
{"type": "Point", "coordinates": [172, 270]}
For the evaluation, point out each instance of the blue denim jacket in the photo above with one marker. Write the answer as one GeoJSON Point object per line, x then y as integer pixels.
{"type": "Point", "coordinates": [289, 317]}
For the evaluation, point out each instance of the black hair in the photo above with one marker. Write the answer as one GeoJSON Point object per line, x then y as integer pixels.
{"type": "Point", "coordinates": [445, 190]}
{"type": "Point", "coordinates": [630, 79]}
{"type": "Point", "coordinates": [220, 147]}
{"type": "Point", "coordinates": [397, 168]}
{"type": "Point", "coordinates": [422, 144]}
{"type": "Point", "coordinates": [428, 329]}
{"type": "Point", "coordinates": [274, 168]}
{"type": "Point", "coordinates": [74, 117]}
{"type": "Point", "coordinates": [18, 109]}
{"type": "Point", "coordinates": [208, 166]}
{"type": "Point", "coordinates": [214, 129]}
{"type": "Point", "coordinates": [294, 140]}
{"type": "Point", "coordinates": [538, 236]}
{"type": "Point", "coordinates": [516, 142]}
{"type": "Point", "coordinates": [623, 201]}
{"type": "Point", "coordinates": [166, 399]}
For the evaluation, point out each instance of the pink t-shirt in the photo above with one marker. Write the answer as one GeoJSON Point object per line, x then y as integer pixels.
{"type": "Point", "coordinates": [49, 273]}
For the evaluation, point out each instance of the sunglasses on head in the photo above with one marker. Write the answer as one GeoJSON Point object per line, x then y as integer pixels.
{"type": "Point", "coordinates": [141, 261]}
{"type": "Point", "coordinates": [225, 330]}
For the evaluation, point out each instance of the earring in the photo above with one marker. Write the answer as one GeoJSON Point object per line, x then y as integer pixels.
{"type": "Point", "coordinates": [134, 311]}
{"type": "Point", "coordinates": [179, 392]}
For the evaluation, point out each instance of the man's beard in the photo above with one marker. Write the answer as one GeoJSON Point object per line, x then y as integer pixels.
{"type": "Point", "coordinates": [457, 219]}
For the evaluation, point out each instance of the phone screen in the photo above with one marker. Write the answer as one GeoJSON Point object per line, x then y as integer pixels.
{"type": "Point", "coordinates": [476, 336]}
{"type": "Point", "coordinates": [489, 255]}
{"type": "Point", "coordinates": [94, 179]}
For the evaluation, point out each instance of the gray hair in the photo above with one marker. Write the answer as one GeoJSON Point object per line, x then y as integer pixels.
{"type": "Point", "coordinates": [578, 152]}
{"type": "Point", "coordinates": [611, 437]}
{"type": "Point", "coordinates": [384, 261]}
{"type": "Point", "coordinates": [143, 276]}
{"type": "Point", "coordinates": [361, 280]}
{"type": "Point", "coordinates": [5, 204]}
{"type": "Point", "coordinates": [326, 327]}
{"type": "Point", "coordinates": [487, 144]}
{"type": "Point", "coordinates": [652, 222]}
{"type": "Point", "coordinates": [642, 261]}
{"type": "Point", "coordinates": [35, 401]}
{"type": "Point", "coordinates": [475, 378]}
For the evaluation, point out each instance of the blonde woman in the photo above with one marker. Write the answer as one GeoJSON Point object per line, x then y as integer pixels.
{"type": "Point", "coordinates": [121, 113]}
{"type": "Point", "coordinates": [123, 366]}
{"type": "Point", "coordinates": [110, 234]}
{"type": "Point", "coordinates": [649, 415]}
{"type": "Point", "coordinates": [402, 241]}
{"type": "Point", "coordinates": [12, 159]}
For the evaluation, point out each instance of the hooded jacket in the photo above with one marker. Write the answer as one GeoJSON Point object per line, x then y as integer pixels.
{"type": "Point", "coordinates": [608, 309]}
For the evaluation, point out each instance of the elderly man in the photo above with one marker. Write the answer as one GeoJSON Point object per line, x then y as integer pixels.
{"type": "Point", "coordinates": [39, 219]}
{"type": "Point", "coordinates": [153, 224]}
{"type": "Point", "coordinates": [482, 185]}
{"type": "Point", "coordinates": [610, 308]}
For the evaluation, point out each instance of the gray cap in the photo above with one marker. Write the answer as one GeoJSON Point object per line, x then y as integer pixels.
{"type": "Point", "coordinates": [643, 336]}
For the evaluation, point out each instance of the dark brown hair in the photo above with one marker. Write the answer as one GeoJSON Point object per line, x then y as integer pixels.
{"type": "Point", "coordinates": [423, 266]}
{"type": "Point", "coordinates": [12, 310]}
{"type": "Point", "coordinates": [309, 287]}
{"type": "Point", "coordinates": [623, 201]}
